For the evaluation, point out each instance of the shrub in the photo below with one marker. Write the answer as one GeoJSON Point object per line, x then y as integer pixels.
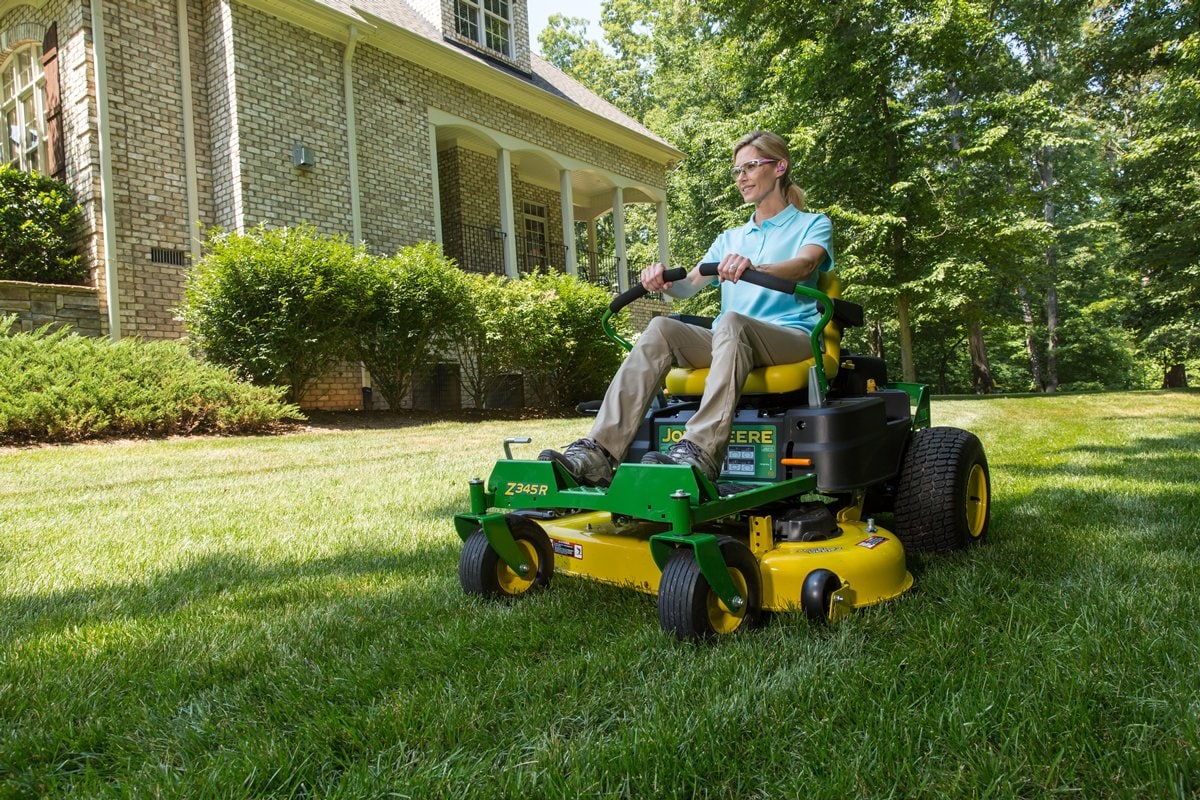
{"type": "Point", "coordinates": [64, 387]}
{"type": "Point", "coordinates": [412, 302]}
{"type": "Point", "coordinates": [482, 342]}
{"type": "Point", "coordinates": [277, 304]}
{"type": "Point", "coordinates": [553, 327]}
{"type": "Point", "coordinates": [39, 224]}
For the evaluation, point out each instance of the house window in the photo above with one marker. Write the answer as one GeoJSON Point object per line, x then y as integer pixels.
{"type": "Point", "coordinates": [488, 23]}
{"type": "Point", "coordinates": [534, 222]}
{"type": "Point", "coordinates": [21, 91]}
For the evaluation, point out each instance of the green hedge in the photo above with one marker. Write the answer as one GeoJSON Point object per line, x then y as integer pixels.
{"type": "Point", "coordinates": [62, 387]}
{"type": "Point", "coordinates": [284, 305]}
{"type": "Point", "coordinates": [39, 226]}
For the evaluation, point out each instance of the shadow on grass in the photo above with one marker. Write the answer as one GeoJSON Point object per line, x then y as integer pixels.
{"type": "Point", "coordinates": [236, 582]}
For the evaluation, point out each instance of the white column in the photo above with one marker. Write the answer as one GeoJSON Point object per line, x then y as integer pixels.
{"type": "Point", "coordinates": [108, 213]}
{"type": "Point", "coordinates": [593, 266]}
{"type": "Point", "coordinates": [437, 185]}
{"type": "Point", "coordinates": [662, 234]}
{"type": "Point", "coordinates": [507, 223]}
{"type": "Point", "coordinates": [618, 213]}
{"type": "Point", "coordinates": [189, 131]}
{"type": "Point", "coordinates": [567, 198]}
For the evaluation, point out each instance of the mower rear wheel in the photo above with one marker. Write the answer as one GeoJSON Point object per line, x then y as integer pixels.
{"type": "Point", "coordinates": [481, 571]}
{"type": "Point", "coordinates": [816, 595]}
{"type": "Point", "coordinates": [689, 608]}
{"type": "Point", "coordinates": [943, 496]}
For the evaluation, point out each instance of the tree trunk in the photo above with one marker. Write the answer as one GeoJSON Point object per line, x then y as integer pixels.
{"type": "Point", "coordinates": [1052, 335]}
{"type": "Point", "coordinates": [1031, 343]}
{"type": "Point", "coordinates": [876, 337]}
{"type": "Point", "coordinates": [908, 369]}
{"type": "Point", "coordinates": [1046, 173]}
{"type": "Point", "coordinates": [1175, 377]}
{"type": "Point", "coordinates": [981, 371]}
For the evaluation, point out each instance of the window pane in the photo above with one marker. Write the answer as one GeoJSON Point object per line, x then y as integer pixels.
{"type": "Point", "coordinates": [25, 66]}
{"type": "Point", "coordinates": [497, 35]}
{"type": "Point", "coordinates": [29, 121]}
{"type": "Point", "coordinates": [12, 145]}
{"type": "Point", "coordinates": [9, 70]}
{"type": "Point", "coordinates": [466, 19]}
{"type": "Point", "coordinates": [497, 7]}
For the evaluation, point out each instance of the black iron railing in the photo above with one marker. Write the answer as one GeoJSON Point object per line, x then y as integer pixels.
{"type": "Point", "coordinates": [476, 249]}
{"type": "Point", "coordinates": [481, 250]}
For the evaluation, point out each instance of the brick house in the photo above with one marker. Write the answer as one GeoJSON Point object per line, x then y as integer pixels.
{"type": "Point", "coordinates": [390, 121]}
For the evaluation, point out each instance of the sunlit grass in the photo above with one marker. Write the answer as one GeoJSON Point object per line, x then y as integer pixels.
{"type": "Point", "coordinates": [281, 616]}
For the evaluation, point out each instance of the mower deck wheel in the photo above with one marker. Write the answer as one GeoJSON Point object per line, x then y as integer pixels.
{"type": "Point", "coordinates": [689, 608]}
{"type": "Point", "coordinates": [481, 571]}
{"type": "Point", "coordinates": [816, 596]}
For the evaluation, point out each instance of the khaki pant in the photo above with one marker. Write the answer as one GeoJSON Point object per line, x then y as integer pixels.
{"type": "Point", "coordinates": [735, 346]}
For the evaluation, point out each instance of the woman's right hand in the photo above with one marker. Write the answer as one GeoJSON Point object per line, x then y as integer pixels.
{"type": "Point", "coordinates": [652, 278]}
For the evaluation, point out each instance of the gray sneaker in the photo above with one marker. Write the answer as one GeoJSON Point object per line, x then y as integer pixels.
{"type": "Point", "coordinates": [687, 453]}
{"type": "Point", "coordinates": [586, 461]}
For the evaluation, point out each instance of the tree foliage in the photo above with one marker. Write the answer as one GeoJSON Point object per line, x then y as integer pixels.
{"type": "Point", "coordinates": [39, 227]}
{"type": "Point", "coordinates": [997, 173]}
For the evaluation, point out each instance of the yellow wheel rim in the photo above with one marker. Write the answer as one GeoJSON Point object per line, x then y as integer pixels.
{"type": "Point", "coordinates": [720, 617]}
{"type": "Point", "coordinates": [977, 501]}
{"type": "Point", "coordinates": [511, 582]}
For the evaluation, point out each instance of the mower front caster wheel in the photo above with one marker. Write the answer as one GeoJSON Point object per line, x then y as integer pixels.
{"type": "Point", "coordinates": [689, 608]}
{"type": "Point", "coordinates": [481, 571]}
{"type": "Point", "coordinates": [816, 596]}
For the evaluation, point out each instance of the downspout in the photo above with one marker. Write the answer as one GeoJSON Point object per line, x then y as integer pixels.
{"type": "Point", "coordinates": [189, 131]}
{"type": "Point", "coordinates": [104, 145]}
{"type": "Point", "coordinates": [351, 133]}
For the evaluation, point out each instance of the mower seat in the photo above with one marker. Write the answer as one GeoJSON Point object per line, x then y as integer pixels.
{"type": "Point", "coordinates": [686, 382]}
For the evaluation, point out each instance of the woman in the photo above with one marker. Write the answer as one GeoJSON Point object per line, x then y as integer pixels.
{"type": "Point", "coordinates": [756, 326]}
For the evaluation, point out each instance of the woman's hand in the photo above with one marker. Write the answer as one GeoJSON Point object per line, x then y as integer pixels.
{"type": "Point", "coordinates": [652, 278]}
{"type": "Point", "coordinates": [732, 267]}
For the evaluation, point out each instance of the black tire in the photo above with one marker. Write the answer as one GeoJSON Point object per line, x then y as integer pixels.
{"type": "Point", "coordinates": [481, 571]}
{"type": "Point", "coordinates": [816, 596]}
{"type": "Point", "coordinates": [687, 605]}
{"type": "Point", "coordinates": [943, 495]}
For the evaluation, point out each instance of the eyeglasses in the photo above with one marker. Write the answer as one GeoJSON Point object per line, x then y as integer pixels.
{"type": "Point", "coordinates": [753, 163]}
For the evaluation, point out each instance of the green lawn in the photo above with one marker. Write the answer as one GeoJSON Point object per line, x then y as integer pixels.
{"type": "Point", "coordinates": [281, 617]}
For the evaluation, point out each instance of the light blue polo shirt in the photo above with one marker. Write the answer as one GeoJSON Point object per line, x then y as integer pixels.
{"type": "Point", "coordinates": [776, 239]}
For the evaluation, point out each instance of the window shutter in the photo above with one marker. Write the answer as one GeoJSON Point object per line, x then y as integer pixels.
{"type": "Point", "coordinates": [56, 157]}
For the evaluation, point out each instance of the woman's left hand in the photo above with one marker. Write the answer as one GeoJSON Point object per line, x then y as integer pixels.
{"type": "Point", "coordinates": [732, 267]}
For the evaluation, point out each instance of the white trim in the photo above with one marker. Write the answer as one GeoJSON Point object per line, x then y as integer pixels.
{"type": "Point", "coordinates": [439, 118]}
{"type": "Point", "coordinates": [108, 214]}
{"type": "Point", "coordinates": [356, 234]}
{"type": "Point", "coordinates": [237, 204]}
{"type": "Point", "coordinates": [189, 130]}
{"type": "Point", "coordinates": [507, 223]}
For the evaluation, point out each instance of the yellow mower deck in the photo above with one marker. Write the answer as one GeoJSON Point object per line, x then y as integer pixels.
{"type": "Point", "coordinates": [869, 562]}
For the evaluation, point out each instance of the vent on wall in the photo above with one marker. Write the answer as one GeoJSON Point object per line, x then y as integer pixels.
{"type": "Point", "coordinates": [163, 255]}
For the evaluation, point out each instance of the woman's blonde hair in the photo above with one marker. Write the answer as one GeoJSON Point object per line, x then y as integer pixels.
{"type": "Point", "coordinates": [773, 146]}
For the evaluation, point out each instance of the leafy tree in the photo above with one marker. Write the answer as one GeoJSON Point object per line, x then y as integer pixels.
{"type": "Point", "coordinates": [39, 228]}
{"type": "Point", "coordinates": [1146, 57]}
